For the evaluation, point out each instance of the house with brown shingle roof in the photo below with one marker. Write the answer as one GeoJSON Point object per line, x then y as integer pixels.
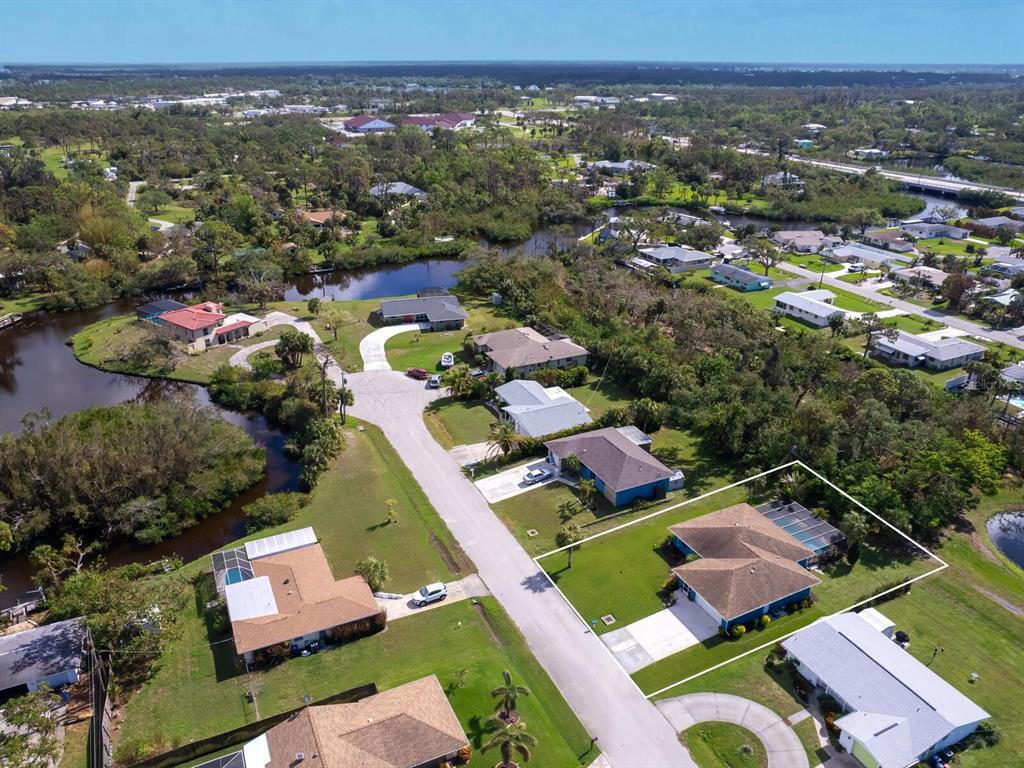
{"type": "Point", "coordinates": [411, 726]}
{"type": "Point", "coordinates": [280, 590]}
{"type": "Point", "coordinates": [747, 566]}
{"type": "Point", "coordinates": [526, 349]}
{"type": "Point", "coordinates": [617, 461]}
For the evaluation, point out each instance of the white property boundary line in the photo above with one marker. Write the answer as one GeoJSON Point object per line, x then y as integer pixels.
{"type": "Point", "coordinates": [931, 555]}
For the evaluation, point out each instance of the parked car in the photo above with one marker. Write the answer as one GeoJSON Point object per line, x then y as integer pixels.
{"type": "Point", "coordinates": [447, 360]}
{"type": "Point", "coordinates": [477, 373]}
{"type": "Point", "coordinates": [418, 373]}
{"type": "Point", "coordinates": [431, 593]}
{"type": "Point", "coordinates": [434, 382]}
{"type": "Point", "coordinates": [854, 268]}
{"type": "Point", "coordinates": [536, 475]}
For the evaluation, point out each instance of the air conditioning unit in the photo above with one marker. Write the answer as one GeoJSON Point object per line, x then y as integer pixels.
{"type": "Point", "coordinates": [299, 757]}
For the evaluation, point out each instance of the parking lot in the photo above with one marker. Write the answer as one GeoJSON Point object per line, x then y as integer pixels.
{"type": "Point", "coordinates": [509, 483]}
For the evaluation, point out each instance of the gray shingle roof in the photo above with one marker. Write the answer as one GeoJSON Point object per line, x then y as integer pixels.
{"type": "Point", "coordinates": [396, 188]}
{"type": "Point", "coordinates": [436, 308]}
{"type": "Point", "coordinates": [902, 709]}
{"type": "Point", "coordinates": [738, 274]}
{"type": "Point", "coordinates": [29, 656]}
{"type": "Point", "coordinates": [1014, 372]}
{"type": "Point", "coordinates": [618, 461]}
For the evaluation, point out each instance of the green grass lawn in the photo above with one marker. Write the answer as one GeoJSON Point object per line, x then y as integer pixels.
{"type": "Point", "coordinates": [417, 349]}
{"type": "Point", "coordinates": [812, 261]}
{"type": "Point", "coordinates": [76, 740]}
{"type": "Point", "coordinates": [175, 213]}
{"type": "Point", "coordinates": [21, 302]}
{"type": "Point", "coordinates": [458, 422]}
{"type": "Point", "coordinates": [724, 745]}
{"type": "Point", "coordinates": [854, 303]}
{"type": "Point", "coordinates": [198, 692]}
{"type": "Point", "coordinates": [599, 395]}
{"type": "Point", "coordinates": [353, 326]}
{"type": "Point", "coordinates": [760, 299]}
{"type": "Point", "coordinates": [807, 732]}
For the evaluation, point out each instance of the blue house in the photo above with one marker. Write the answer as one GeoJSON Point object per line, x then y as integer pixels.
{"type": "Point", "coordinates": [741, 565]}
{"type": "Point", "coordinates": [739, 278]}
{"type": "Point", "coordinates": [618, 462]}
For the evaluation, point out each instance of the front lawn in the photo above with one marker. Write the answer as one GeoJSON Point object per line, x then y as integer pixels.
{"type": "Point", "coordinates": [458, 422]}
{"type": "Point", "coordinates": [417, 349]}
{"type": "Point", "coordinates": [198, 691]}
{"type": "Point", "coordinates": [598, 396]}
{"type": "Point", "coordinates": [852, 302]}
{"type": "Point", "coordinates": [724, 745]}
{"type": "Point", "coordinates": [812, 261]}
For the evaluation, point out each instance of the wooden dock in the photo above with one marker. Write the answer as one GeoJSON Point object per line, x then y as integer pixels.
{"type": "Point", "coordinates": [12, 318]}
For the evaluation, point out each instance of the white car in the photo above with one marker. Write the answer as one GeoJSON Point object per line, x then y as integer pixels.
{"type": "Point", "coordinates": [447, 360]}
{"type": "Point", "coordinates": [536, 476]}
{"type": "Point", "coordinates": [434, 382]}
{"type": "Point", "coordinates": [431, 593]}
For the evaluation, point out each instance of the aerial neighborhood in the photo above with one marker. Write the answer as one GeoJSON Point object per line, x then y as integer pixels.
{"type": "Point", "coordinates": [570, 413]}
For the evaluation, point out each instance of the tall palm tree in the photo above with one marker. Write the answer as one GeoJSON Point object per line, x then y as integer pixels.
{"type": "Point", "coordinates": [508, 695]}
{"type": "Point", "coordinates": [503, 437]}
{"type": "Point", "coordinates": [509, 738]}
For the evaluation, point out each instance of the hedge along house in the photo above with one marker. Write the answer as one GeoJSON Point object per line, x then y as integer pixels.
{"type": "Point", "coordinates": [619, 463]}
{"type": "Point", "coordinates": [898, 712]}
{"type": "Point", "coordinates": [746, 567]}
{"type": "Point", "coordinates": [280, 591]}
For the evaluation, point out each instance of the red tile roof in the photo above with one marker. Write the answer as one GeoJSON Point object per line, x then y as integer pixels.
{"type": "Point", "coordinates": [233, 327]}
{"type": "Point", "coordinates": [360, 120]}
{"type": "Point", "coordinates": [192, 318]}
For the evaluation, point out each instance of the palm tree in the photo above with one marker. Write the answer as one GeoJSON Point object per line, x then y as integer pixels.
{"type": "Point", "coordinates": [587, 490]}
{"type": "Point", "coordinates": [508, 695]}
{"type": "Point", "coordinates": [503, 437]}
{"type": "Point", "coordinates": [568, 536]}
{"type": "Point", "coordinates": [509, 738]}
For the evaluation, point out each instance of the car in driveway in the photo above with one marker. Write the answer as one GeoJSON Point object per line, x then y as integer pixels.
{"type": "Point", "coordinates": [431, 593]}
{"type": "Point", "coordinates": [418, 373]}
{"type": "Point", "coordinates": [535, 476]}
{"type": "Point", "coordinates": [447, 360]}
{"type": "Point", "coordinates": [434, 382]}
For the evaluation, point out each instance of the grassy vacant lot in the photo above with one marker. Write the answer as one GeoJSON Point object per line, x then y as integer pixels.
{"type": "Point", "coordinates": [198, 691]}
{"type": "Point", "coordinates": [353, 325]}
{"type": "Point", "coordinates": [812, 261]}
{"type": "Point", "coordinates": [458, 422]}
{"type": "Point", "coordinates": [974, 610]}
{"type": "Point", "coordinates": [721, 745]}
{"type": "Point", "coordinates": [175, 213]}
{"type": "Point", "coordinates": [599, 395]}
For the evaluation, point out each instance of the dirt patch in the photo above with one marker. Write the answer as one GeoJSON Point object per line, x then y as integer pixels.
{"type": "Point", "coordinates": [981, 547]}
{"type": "Point", "coordinates": [491, 629]}
{"type": "Point", "coordinates": [457, 561]}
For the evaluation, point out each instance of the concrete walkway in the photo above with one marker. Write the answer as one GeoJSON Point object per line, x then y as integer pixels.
{"type": "Point", "coordinates": [467, 454]}
{"type": "Point", "coordinates": [632, 733]}
{"type": "Point", "coordinates": [241, 357]}
{"type": "Point", "coordinates": [463, 589]}
{"type": "Point", "coordinates": [782, 745]}
{"type": "Point", "coordinates": [371, 348]}
{"type": "Point", "coordinates": [1013, 337]}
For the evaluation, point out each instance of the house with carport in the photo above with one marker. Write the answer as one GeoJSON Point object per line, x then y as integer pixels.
{"type": "Point", "coordinates": [898, 712]}
{"type": "Point", "coordinates": [619, 462]}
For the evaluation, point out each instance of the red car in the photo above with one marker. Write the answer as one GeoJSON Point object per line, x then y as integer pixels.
{"type": "Point", "coordinates": [418, 373]}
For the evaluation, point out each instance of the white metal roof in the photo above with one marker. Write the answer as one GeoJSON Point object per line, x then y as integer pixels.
{"type": "Point", "coordinates": [257, 752]}
{"type": "Point", "coordinates": [282, 542]}
{"type": "Point", "coordinates": [250, 599]}
{"type": "Point", "coordinates": [875, 618]}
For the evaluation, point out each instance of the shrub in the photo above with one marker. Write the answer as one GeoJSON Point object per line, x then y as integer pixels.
{"type": "Point", "coordinates": [273, 509]}
{"type": "Point", "coordinates": [357, 629]}
{"type": "Point", "coordinates": [273, 655]}
{"type": "Point", "coordinates": [561, 377]}
{"type": "Point", "coordinates": [739, 630]}
{"type": "Point", "coordinates": [987, 735]}
{"type": "Point", "coordinates": [765, 621]}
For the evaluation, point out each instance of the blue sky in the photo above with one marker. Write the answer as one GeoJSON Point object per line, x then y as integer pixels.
{"type": "Point", "coordinates": [221, 31]}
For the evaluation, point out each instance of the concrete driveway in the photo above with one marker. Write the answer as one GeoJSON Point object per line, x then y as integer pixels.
{"type": "Point", "coordinates": [371, 348]}
{"type": "Point", "coordinates": [659, 635]}
{"type": "Point", "coordinates": [470, 586]}
{"type": "Point", "coordinates": [509, 483]}
{"type": "Point", "coordinates": [782, 745]}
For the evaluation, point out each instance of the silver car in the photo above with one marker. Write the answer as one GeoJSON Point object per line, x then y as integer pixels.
{"type": "Point", "coordinates": [536, 476]}
{"type": "Point", "coordinates": [431, 593]}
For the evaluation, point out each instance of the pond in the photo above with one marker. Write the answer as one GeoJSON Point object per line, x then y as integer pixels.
{"type": "Point", "coordinates": [1006, 530]}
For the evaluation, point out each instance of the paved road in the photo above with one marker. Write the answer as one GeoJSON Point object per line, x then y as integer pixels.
{"type": "Point", "coordinates": [782, 745]}
{"type": "Point", "coordinates": [1013, 337]}
{"type": "Point", "coordinates": [463, 589]}
{"type": "Point", "coordinates": [371, 348]}
{"type": "Point", "coordinates": [631, 731]}
{"type": "Point", "coordinates": [133, 190]}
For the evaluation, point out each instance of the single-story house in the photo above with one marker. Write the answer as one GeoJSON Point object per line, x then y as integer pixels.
{"type": "Point", "coordinates": [898, 712]}
{"type": "Point", "coordinates": [782, 179]}
{"type": "Point", "coordinates": [399, 188]}
{"type": "Point", "coordinates": [617, 168]}
{"type": "Point", "coordinates": [1004, 270]}
{"type": "Point", "coordinates": [805, 240]}
{"type": "Point", "coordinates": [51, 655]}
{"type": "Point", "coordinates": [450, 121]}
{"type": "Point", "coordinates": [584, 101]}
{"type": "Point", "coordinates": [525, 349]}
{"type": "Point", "coordinates": [194, 326]}
{"type": "Point", "coordinates": [537, 410]}
{"type": "Point", "coordinates": [443, 312]}
{"type": "Point", "coordinates": [875, 258]}
{"type": "Point", "coordinates": [368, 124]}
{"type": "Point", "coordinates": [151, 311]}
{"type": "Point", "coordinates": [1003, 299]}
{"type": "Point", "coordinates": [411, 726]}
{"type": "Point", "coordinates": [676, 259]}
{"type": "Point", "coordinates": [920, 275]}
{"type": "Point", "coordinates": [869, 153]}
{"type": "Point", "coordinates": [279, 590]}
{"type": "Point", "coordinates": [814, 307]}
{"type": "Point", "coordinates": [813, 127]}
{"type": "Point", "coordinates": [891, 239]}
{"type": "Point", "coordinates": [913, 350]}
{"type": "Point", "coordinates": [995, 222]}
{"type": "Point", "coordinates": [925, 230]}
{"type": "Point", "coordinates": [746, 566]}
{"type": "Point", "coordinates": [618, 462]}
{"type": "Point", "coordinates": [320, 218]}
{"type": "Point", "coordinates": [739, 278]}
{"type": "Point", "coordinates": [1014, 373]}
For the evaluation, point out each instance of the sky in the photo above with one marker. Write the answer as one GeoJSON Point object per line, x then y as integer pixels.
{"type": "Point", "coordinates": [768, 31]}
